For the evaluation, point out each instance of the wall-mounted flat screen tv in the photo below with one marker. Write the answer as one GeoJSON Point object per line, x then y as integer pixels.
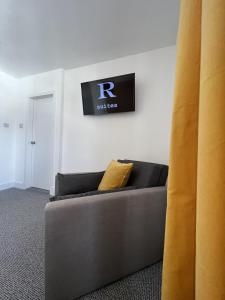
{"type": "Point", "coordinates": [109, 95]}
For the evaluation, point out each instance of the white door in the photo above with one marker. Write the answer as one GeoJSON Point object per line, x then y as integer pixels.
{"type": "Point", "coordinates": [42, 142]}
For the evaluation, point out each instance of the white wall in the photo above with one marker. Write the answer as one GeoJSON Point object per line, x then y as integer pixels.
{"type": "Point", "coordinates": [8, 109]}
{"type": "Point", "coordinates": [90, 142]}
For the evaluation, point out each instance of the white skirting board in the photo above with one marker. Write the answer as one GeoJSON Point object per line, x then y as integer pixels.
{"type": "Point", "coordinates": [8, 185]}
{"type": "Point", "coordinates": [19, 185]}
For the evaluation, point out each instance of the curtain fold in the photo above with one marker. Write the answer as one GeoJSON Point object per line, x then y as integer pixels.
{"type": "Point", "coordinates": [194, 252]}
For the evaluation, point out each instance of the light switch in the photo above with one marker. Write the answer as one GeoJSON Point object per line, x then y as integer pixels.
{"type": "Point", "coordinates": [6, 125]}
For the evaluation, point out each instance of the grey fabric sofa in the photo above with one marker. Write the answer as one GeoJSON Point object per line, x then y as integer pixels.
{"type": "Point", "coordinates": [144, 174]}
{"type": "Point", "coordinates": [94, 240]}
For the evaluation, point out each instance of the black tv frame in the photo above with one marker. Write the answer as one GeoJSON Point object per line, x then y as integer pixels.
{"type": "Point", "coordinates": [109, 103]}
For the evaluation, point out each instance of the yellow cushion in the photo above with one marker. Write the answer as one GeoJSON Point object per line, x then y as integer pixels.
{"type": "Point", "coordinates": [116, 176]}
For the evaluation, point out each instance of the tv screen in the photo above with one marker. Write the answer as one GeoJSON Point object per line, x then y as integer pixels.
{"type": "Point", "coordinates": [109, 95]}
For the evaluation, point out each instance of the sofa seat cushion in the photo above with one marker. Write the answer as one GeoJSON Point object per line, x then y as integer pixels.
{"type": "Point", "coordinates": [91, 193]}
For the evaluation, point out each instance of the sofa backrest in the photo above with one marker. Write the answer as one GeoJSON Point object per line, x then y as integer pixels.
{"type": "Point", "coordinates": [146, 174]}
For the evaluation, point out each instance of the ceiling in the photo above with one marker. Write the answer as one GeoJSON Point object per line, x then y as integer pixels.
{"type": "Point", "coordinates": [42, 35]}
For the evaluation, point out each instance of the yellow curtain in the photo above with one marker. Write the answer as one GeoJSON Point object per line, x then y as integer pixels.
{"type": "Point", "coordinates": [194, 252]}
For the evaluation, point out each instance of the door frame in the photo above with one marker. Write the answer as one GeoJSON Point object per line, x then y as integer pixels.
{"type": "Point", "coordinates": [57, 137]}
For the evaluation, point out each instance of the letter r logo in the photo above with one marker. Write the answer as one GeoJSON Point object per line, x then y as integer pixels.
{"type": "Point", "coordinates": [106, 87]}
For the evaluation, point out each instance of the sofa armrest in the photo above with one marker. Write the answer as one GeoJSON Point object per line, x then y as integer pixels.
{"type": "Point", "coordinates": [93, 241]}
{"type": "Point", "coordinates": [77, 183]}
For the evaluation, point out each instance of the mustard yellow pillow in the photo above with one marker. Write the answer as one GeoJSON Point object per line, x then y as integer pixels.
{"type": "Point", "coordinates": [116, 176]}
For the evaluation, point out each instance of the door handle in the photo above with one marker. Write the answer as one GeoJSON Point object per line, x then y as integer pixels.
{"type": "Point", "coordinates": [33, 142]}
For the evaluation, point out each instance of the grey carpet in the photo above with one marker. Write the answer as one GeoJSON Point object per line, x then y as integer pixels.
{"type": "Point", "coordinates": [22, 255]}
{"type": "Point", "coordinates": [143, 285]}
{"type": "Point", "coordinates": [22, 244]}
